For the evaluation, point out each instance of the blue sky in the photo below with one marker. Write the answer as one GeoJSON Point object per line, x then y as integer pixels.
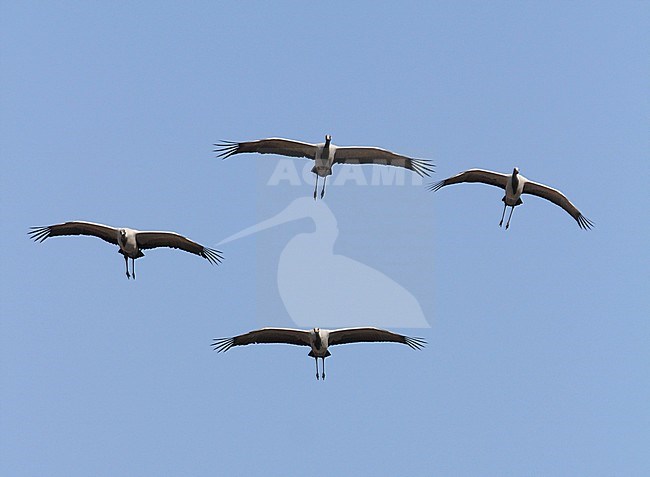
{"type": "Point", "coordinates": [537, 357]}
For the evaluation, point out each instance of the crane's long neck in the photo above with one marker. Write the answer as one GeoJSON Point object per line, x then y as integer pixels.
{"type": "Point", "coordinates": [318, 343]}
{"type": "Point", "coordinates": [325, 154]}
{"type": "Point", "coordinates": [515, 182]}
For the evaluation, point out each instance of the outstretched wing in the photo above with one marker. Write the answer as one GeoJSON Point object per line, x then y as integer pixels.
{"type": "Point", "coordinates": [265, 335]}
{"type": "Point", "coordinates": [104, 232]}
{"type": "Point", "coordinates": [173, 240]}
{"type": "Point", "coordinates": [363, 335]}
{"type": "Point", "coordinates": [274, 145]}
{"type": "Point", "coordinates": [558, 198]}
{"type": "Point", "coordinates": [473, 175]}
{"type": "Point", "coordinates": [376, 155]}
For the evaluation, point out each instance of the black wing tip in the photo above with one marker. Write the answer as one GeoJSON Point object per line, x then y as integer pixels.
{"type": "Point", "coordinates": [225, 149]}
{"type": "Point", "coordinates": [221, 345]}
{"type": "Point", "coordinates": [215, 257]}
{"type": "Point", "coordinates": [415, 343]}
{"type": "Point", "coordinates": [584, 223]}
{"type": "Point", "coordinates": [38, 234]}
{"type": "Point", "coordinates": [423, 167]}
{"type": "Point", "coordinates": [434, 186]}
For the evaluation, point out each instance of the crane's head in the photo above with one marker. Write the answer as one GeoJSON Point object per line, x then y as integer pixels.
{"type": "Point", "coordinates": [123, 235]}
{"type": "Point", "coordinates": [515, 171]}
{"type": "Point", "coordinates": [328, 139]}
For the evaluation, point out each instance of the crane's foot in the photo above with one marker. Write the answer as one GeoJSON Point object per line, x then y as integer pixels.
{"type": "Point", "coordinates": [323, 375]}
{"type": "Point", "coordinates": [501, 224]}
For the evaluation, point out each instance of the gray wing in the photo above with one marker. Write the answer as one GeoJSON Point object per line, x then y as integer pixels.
{"type": "Point", "coordinates": [104, 232]}
{"type": "Point", "coordinates": [558, 198]}
{"type": "Point", "coordinates": [265, 335]}
{"type": "Point", "coordinates": [376, 155]}
{"type": "Point", "coordinates": [274, 145]}
{"type": "Point", "coordinates": [173, 240]}
{"type": "Point", "coordinates": [363, 335]}
{"type": "Point", "coordinates": [474, 175]}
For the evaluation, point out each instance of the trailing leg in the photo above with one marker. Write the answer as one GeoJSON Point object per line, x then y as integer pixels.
{"type": "Point", "coordinates": [322, 193]}
{"type": "Point", "coordinates": [510, 216]}
{"type": "Point", "coordinates": [504, 212]}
